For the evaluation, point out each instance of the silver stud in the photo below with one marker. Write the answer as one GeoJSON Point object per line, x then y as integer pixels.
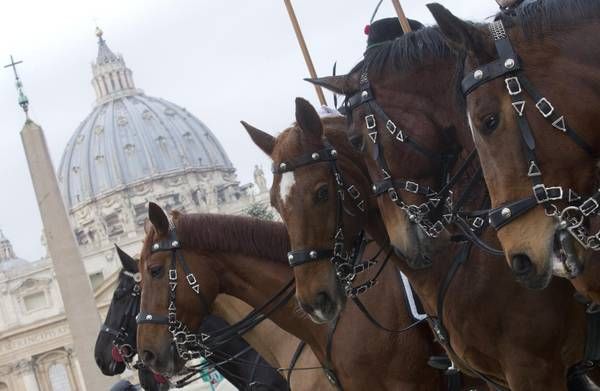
{"type": "Point", "coordinates": [364, 94]}
{"type": "Point", "coordinates": [290, 257]}
{"type": "Point", "coordinates": [374, 188]}
{"type": "Point", "coordinates": [175, 243]}
{"type": "Point", "coordinates": [148, 317]}
{"type": "Point", "coordinates": [478, 74]}
{"type": "Point", "coordinates": [506, 213]}
{"type": "Point", "coordinates": [333, 153]}
{"type": "Point", "coordinates": [315, 156]}
{"type": "Point", "coordinates": [509, 63]}
{"type": "Point", "coordinates": [283, 166]}
{"type": "Point", "coordinates": [312, 254]}
{"type": "Point", "coordinates": [155, 246]}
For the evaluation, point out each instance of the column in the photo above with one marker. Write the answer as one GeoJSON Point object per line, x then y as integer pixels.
{"type": "Point", "coordinates": [76, 291]}
{"type": "Point", "coordinates": [25, 371]}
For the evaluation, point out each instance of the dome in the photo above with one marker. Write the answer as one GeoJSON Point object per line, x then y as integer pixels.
{"type": "Point", "coordinates": [130, 138]}
{"type": "Point", "coordinates": [8, 259]}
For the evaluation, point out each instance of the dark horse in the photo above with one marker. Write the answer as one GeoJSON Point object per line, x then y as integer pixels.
{"type": "Point", "coordinates": [515, 337]}
{"type": "Point", "coordinates": [534, 120]}
{"type": "Point", "coordinates": [117, 343]}
{"type": "Point", "coordinates": [246, 258]}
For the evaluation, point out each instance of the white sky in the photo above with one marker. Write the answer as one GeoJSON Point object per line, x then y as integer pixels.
{"type": "Point", "coordinates": [223, 60]}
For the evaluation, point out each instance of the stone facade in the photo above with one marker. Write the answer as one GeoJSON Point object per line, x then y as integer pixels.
{"type": "Point", "coordinates": [107, 192]}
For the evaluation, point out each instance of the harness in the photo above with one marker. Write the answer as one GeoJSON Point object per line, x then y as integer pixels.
{"type": "Point", "coordinates": [439, 209]}
{"type": "Point", "coordinates": [120, 334]}
{"type": "Point", "coordinates": [571, 219]}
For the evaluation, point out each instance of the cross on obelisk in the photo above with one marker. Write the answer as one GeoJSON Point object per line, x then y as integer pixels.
{"type": "Point", "coordinates": [23, 101]}
{"type": "Point", "coordinates": [77, 295]}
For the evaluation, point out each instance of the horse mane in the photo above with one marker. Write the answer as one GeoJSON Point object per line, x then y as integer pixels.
{"type": "Point", "coordinates": [407, 51]}
{"type": "Point", "coordinates": [234, 234]}
{"type": "Point", "coordinates": [547, 16]}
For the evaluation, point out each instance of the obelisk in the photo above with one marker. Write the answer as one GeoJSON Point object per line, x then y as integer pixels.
{"type": "Point", "coordinates": [73, 281]}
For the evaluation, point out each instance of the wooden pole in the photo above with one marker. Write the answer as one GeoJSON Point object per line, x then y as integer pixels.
{"type": "Point", "coordinates": [305, 53]}
{"type": "Point", "coordinates": [401, 16]}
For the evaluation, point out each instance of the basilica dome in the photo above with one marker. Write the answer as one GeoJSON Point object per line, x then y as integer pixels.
{"type": "Point", "coordinates": [130, 138]}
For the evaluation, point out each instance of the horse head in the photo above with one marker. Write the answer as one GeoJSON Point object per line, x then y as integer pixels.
{"type": "Point", "coordinates": [531, 81]}
{"type": "Point", "coordinates": [321, 192]}
{"type": "Point", "coordinates": [116, 341]}
{"type": "Point", "coordinates": [170, 296]}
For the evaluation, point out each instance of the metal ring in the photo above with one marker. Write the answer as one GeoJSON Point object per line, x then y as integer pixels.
{"type": "Point", "coordinates": [564, 216]}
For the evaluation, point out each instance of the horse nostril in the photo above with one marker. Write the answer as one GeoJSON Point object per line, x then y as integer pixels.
{"type": "Point", "coordinates": [322, 300]}
{"type": "Point", "coordinates": [521, 264]}
{"type": "Point", "coordinates": [147, 357]}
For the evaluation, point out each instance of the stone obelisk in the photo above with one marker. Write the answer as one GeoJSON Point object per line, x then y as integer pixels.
{"type": "Point", "coordinates": [75, 288]}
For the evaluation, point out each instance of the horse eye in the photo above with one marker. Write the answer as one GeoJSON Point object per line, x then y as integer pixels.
{"type": "Point", "coordinates": [156, 271]}
{"type": "Point", "coordinates": [322, 194]}
{"type": "Point", "coordinates": [357, 142]}
{"type": "Point", "coordinates": [490, 123]}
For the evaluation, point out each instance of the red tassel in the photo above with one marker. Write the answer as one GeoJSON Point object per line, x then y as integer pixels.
{"type": "Point", "coordinates": [367, 29]}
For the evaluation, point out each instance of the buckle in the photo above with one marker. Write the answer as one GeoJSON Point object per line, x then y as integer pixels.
{"type": "Point", "coordinates": [370, 121]}
{"type": "Point", "coordinates": [588, 206]}
{"type": "Point", "coordinates": [478, 222]}
{"type": "Point", "coordinates": [411, 187]}
{"type": "Point", "coordinates": [353, 191]}
{"type": "Point", "coordinates": [513, 85]}
{"type": "Point", "coordinates": [545, 107]}
{"type": "Point", "coordinates": [390, 126]}
{"type": "Point", "coordinates": [172, 318]}
{"type": "Point", "coordinates": [173, 274]}
{"type": "Point", "coordinates": [191, 279]}
{"type": "Point", "coordinates": [544, 194]}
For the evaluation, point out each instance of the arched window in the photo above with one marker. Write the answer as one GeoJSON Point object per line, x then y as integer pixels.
{"type": "Point", "coordinates": [59, 380]}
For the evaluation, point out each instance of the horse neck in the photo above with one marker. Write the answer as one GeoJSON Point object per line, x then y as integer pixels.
{"type": "Point", "coordinates": [255, 280]}
{"type": "Point", "coordinates": [274, 344]}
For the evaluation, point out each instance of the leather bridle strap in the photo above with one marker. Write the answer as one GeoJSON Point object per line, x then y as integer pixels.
{"type": "Point", "coordinates": [508, 65]}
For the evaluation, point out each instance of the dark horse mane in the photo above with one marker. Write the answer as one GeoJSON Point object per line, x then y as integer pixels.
{"type": "Point", "coordinates": [422, 46]}
{"type": "Point", "coordinates": [547, 16]}
{"type": "Point", "coordinates": [234, 234]}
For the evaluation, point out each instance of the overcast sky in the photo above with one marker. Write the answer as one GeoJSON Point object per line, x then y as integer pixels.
{"type": "Point", "coordinates": [223, 60]}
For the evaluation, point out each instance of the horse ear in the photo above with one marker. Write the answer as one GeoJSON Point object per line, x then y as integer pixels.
{"type": "Point", "coordinates": [460, 35]}
{"type": "Point", "coordinates": [342, 84]}
{"type": "Point", "coordinates": [127, 261]}
{"type": "Point", "coordinates": [158, 218]}
{"type": "Point", "coordinates": [307, 118]}
{"type": "Point", "coordinates": [263, 140]}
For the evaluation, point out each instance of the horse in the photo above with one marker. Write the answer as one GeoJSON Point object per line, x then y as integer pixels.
{"type": "Point", "coordinates": [116, 342]}
{"type": "Point", "coordinates": [490, 325]}
{"type": "Point", "coordinates": [246, 258]}
{"type": "Point", "coordinates": [534, 125]}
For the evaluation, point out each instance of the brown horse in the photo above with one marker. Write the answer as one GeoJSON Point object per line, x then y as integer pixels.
{"type": "Point", "coordinates": [534, 123]}
{"type": "Point", "coordinates": [245, 258]}
{"type": "Point", "coordinates": [275, 345]}
{"type": "Point", "coordinates": [521, 339]}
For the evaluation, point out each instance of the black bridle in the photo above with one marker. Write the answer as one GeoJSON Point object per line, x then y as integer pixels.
{"type": "Point", "coordinates": [439, 209]}
{"type": "Point", "coordinates": [121, 335]}
{"type": "Point", "coordinates": [185, 341]}
{"type": "Point", "coordinates": [508, 66]}
{"type": "Point", "coordinates": [344, 261]}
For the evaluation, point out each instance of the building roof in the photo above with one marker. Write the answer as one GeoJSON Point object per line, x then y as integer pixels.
{"type": "Point", "coordinates": [130, 137]}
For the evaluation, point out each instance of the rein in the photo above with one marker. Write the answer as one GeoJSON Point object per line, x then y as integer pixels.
{"type": "Point", "coordinates": [125, 349]}
{"type": "Point", "coordinates": [571, 218]}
